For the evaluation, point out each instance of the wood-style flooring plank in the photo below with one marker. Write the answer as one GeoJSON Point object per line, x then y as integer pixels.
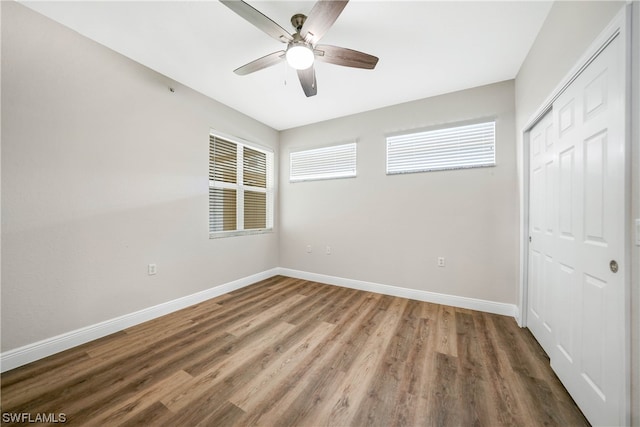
{"type": "Point", "coordinates": [307, 385]}
{"type": "Point", "coordinates": [446, 342]}
{"type": "Point", "coordinates": [351, 392]}
{"type": "Point", "coordinates": [292, 352]}
{"type": "Point", "coordinates": [387, 390]}
{"type": "Point", "coordinates": [505, 405]}
{"type": "Point", "coordinates": [473, 373]}
{"type": "Point", "coordinates": [445, 406]}
{"type": "Point", "coordinates": [139, 403]}
{"type": "Point", "coordinates": [257, 319]}
{"type": "Point", "coordinates": [205, 381]}
{"type": "Point", "coordinates": [249, 396]}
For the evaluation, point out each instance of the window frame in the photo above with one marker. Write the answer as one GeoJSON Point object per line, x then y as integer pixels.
{"type": "Point", "coordinates": [241, 188]}
{"type": "Point", "coordinates": [416, 133]}
{"type": "Point", "coordinates": [325, 175]}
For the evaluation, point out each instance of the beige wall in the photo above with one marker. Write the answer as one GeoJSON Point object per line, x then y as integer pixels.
{"type": "Point", "coordinates": [104, 171]}
{"type": "Point", "coordinates": [391, 229]}
{"type": "Point", "coordinates": [570, 28]}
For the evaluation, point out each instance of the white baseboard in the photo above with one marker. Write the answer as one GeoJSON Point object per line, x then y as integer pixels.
{"type": "Point", "coordinates": [452, 300]}
{"type": "Point", "coordinates": [31, 352]}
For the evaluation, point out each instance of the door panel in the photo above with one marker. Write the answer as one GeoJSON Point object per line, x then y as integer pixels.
{"type": "Point", "coordinates": [542, 222]}
{"type": "Point", "coordinates": [565, 336]}
{"type": "Point", "coordinates": [565, 184]}
{"type": "Point", "coordinates": [594, 175]}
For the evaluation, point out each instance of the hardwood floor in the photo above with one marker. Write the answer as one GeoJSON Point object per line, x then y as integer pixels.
{"type": "Point", "coordinates": [288, 352]}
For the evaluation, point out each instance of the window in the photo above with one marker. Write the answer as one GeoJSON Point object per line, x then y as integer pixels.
{"type": "Point", "coordinates": [459, 147]}
{"type": "Point", "coordinates": [336, 161]}
{"type": "Point", "coordinates": [240, 188]}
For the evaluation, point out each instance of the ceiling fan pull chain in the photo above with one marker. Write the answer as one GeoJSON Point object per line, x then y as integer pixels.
{"type": "Point", "coordinates": [284, 64]}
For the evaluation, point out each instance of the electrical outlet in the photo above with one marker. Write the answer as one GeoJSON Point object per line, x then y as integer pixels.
{"type": "Point", "coordinates": [440, 261]}
{"type": "Point", "coordinates": [152, 269]}
{"type": "Point", "coordinates": [327, 250]}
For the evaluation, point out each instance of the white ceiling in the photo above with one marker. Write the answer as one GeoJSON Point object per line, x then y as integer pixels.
{"type": "Point", "coordinates": [426, 48]}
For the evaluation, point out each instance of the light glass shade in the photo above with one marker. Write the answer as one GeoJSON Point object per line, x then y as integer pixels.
{"type": "Point", "coordinates": [299, 57]}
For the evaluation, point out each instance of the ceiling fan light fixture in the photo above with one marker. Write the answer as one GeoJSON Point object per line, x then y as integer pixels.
{"type": "Point", "coordinates": [300, 56]}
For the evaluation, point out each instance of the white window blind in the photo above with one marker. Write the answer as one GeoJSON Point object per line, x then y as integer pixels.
{"type": "Point", "coordinates": [336, 161]}
{"type": "Point", "coordinates": [240, 188]}
{"type": "Point", "coordinates": [468, 146]}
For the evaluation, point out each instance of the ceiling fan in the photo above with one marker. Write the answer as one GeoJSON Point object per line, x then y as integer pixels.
{"type": "Point", "coordinates": [302, 48]}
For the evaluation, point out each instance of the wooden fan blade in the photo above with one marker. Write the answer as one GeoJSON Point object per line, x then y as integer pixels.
{"type": "Point", "coordinates": [308, 81]}
{"type": "Point", "coordinates": [345, 57]}
{"type": "Point", "coordinates": [259, 20]}
{"type": "Point", "coordinates": [320, 19]}
{"type": "Point", "coordinates": [260, 63]}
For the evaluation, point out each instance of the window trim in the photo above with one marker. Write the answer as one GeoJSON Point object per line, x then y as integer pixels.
{"type": "Point", "coordinates": [241, 188]}
{"type": "Point", "coordinates": [326, 175]}
{"type": "Point", "coordinates": [452, 126]}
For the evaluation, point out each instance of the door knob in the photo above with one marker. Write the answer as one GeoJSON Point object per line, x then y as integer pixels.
{"type": "Point", "coordinates": [613, 265]}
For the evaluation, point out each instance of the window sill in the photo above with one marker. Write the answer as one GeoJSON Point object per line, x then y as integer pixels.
{"type": "Point", "coordinates": [223, 234]}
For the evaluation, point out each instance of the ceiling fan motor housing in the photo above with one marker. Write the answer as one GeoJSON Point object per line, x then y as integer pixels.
{"type": "Point", "coordinates": [297, 21]}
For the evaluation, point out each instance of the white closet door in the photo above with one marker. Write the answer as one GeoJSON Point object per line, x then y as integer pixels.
{"type": "Point", "coordinates": [576, 296]}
